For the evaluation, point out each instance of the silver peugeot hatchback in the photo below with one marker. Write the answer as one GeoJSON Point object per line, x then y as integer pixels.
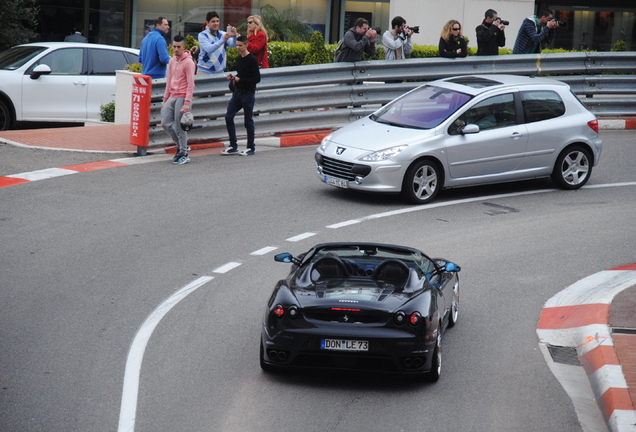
{"type": "Point", "coordinates": [465, 131]}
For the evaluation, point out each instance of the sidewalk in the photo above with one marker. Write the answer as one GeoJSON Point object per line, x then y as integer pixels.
{"type": "Point", "coordinates": [116, 139]}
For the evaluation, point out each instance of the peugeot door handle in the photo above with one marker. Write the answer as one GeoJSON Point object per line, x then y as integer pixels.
{"type": "Point", "coordinates": [516, 135]}
{"type": "Point", "coordinates": [83, 83]}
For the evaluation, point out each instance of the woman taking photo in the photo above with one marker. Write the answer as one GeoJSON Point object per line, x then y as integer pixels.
{"type": "Point", "coordinates": [452, 44]}
{"type": "Point", "coordinates": [257, 40]}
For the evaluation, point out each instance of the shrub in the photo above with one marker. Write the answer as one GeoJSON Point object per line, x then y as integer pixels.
{"type": "Point", "coordinates": [317, 53]}
{"type": "Point", "coordinates": [107, 112]}
{"type": "Point", "coordinates": [620, 45]}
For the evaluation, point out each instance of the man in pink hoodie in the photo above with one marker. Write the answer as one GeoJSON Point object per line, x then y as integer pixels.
{"type": "Point", "coordinates": [177, 98]}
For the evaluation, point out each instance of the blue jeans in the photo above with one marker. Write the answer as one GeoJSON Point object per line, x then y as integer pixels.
{"type": "Point", "coordinates": [241, 100]}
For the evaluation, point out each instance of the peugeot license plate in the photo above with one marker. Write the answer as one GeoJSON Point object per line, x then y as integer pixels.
{"type": "Point", "coordinates": [336, 182]}
{"type": "Point", "coordinates": [344, 345]}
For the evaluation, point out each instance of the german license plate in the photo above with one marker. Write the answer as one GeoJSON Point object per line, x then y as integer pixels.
{"type": "Point", "coordinates": [344, 345]}
{"type": "Point", "coordinates": [336, 182]}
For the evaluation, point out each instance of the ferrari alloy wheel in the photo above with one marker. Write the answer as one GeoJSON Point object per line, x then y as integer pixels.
{"type": "Point", "coordinates": [436, 366]}
{"type": "Point", "coordinates": [422, 182]}
{"type": "Point", "coordinates": [573, 168]}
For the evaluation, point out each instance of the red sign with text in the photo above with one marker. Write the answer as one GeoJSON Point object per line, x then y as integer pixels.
{"type": "Point", "coordinates": [140, 110]}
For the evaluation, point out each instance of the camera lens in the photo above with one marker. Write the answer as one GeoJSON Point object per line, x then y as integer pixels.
{"type": "Point", "coordinates": [504, 22]}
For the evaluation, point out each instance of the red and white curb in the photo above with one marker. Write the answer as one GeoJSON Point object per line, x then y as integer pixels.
{"type": "Point", "coordinates": [617, 124]}
{"type": "Point", "coordinates": [577, 317]}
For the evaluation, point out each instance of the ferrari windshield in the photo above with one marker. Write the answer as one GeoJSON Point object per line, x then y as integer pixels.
{"type": "Point", "coordinates": [423, 108]}
{"type": "Point", "coordinates": [371, 255]}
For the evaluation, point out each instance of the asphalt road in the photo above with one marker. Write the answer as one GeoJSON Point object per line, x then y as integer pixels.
{"type": "Point", "coordinates": [85, 259]}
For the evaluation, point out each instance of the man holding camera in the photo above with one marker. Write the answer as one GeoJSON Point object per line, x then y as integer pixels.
{"type": "Point", "coordinates": [490, 34]}
{"type": "Point", "coordinates": [358, 39]}
{"type": "Point", "coordinates": [534, 31]}
{"type": "Point", "coordinates": [397, 41]}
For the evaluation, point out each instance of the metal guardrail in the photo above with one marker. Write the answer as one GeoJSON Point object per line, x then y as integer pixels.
{"type": "Point", "coordinates": [329, 96]}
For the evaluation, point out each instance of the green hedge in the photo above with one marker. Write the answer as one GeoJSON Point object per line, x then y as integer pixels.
{"type": "Point", "coordinates": [298, 53]}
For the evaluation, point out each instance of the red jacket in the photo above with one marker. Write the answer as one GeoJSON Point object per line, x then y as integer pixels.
{"type": "Point", "coordinates": [257, 46]}
{"type": "Point", "coordinates": [180, 78]}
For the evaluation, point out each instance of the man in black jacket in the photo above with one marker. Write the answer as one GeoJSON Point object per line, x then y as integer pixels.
{"type": "Point", "coordinates": [490, 34]}
{"type": "Point", "coordinates": [245, 80]}
{"type": "Point", "coordinates": [358, 39]}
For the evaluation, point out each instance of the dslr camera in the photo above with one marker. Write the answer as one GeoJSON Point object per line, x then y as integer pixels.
{"type": "Point", "coordinates": [504, 22]}
{"type": "Point", "coordinates": [415, 29]}
{"type": "Point", "coordinates": [560, 23]}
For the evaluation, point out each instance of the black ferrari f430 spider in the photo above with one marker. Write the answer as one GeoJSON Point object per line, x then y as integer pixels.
{"type": "Point", "coordinates": [361, 306]}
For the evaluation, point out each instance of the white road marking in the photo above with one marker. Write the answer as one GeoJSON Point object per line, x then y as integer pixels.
{"type": "Point", "coordinates": [43, 174]}
{"type": "Point", "coordinates": [300, 237]}
{"type": "Point", "coordinates": [226, 267]}
{"type": "Point", "coordinates": [128, 409]}
{"type": "Point", "coordinates": [344, 224]}
{"type": "Point", "coordinates": [264, 250]}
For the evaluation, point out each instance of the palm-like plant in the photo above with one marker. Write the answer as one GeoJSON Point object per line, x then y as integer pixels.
{"type": "Point", "coordinates": [285, 26]}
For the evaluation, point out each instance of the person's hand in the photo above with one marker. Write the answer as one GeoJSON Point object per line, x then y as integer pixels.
{"type": "Point", "coordinates": [371, 33]}
{"type": "Point", "coordinates": [459, 51]}
{"type": "Point", "coordinates": [553, 24]}
{"type": "Point", "coordinates": [185, 108]}
{"type": "Point", "coordinates": [229, 77]}
{"type": "Point", "coordinates": [408, 32]}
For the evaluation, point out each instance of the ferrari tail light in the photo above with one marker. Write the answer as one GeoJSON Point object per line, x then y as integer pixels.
{"type": "Point", "coordinates": [593, 124]}
{"type": "Point", "coordinates": [415, 318]}
{"type": "Point", "coordinates": [279, 311]}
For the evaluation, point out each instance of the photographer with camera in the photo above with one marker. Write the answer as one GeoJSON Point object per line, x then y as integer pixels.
{"type": "Point", "coordinates": [490, 34]}
{"type": "Point", "coordinates": [358, 39]}
{"type": "Point", "coordinates": [451, 42]}
{"type": "Point", "coordinates": [536, 31]}
{"type": "Point", "coordinates": [397, 41]}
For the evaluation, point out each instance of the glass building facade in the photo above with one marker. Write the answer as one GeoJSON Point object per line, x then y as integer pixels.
{"type": "Point", "coordinates": [591, 24]}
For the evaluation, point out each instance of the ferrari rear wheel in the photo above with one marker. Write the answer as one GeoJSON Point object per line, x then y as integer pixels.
{"type": "Point", "coordinates": [436, 366]}
{"type": "Point", "coordinates": [422, 182]}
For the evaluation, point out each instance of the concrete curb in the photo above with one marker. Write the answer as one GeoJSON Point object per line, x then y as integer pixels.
{"type": "Point", "coordinates": [291, 140]}
{"type": "Point", "coordinates": [577, 318]}
{"type": "Point", "coordinates": [284, 140]}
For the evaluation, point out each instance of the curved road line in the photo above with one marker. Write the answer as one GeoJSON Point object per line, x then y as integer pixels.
{"type": "Point", "coordinates": [135, 356]}
{"type": "Point", "coordinates": [128, 409]}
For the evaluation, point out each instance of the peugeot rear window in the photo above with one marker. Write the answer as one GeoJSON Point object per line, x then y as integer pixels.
{"type": "Point", "coordinates": [423, 108]}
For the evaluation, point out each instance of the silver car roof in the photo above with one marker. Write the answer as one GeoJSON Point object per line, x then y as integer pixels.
{"type": "Point", "coordinates": [478, 84]}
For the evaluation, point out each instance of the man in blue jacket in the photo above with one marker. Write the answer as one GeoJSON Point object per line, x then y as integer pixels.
{"type": "Point", "coordinates": [535, 31]}
{"type": "Point", "coordinates": [153, 53]}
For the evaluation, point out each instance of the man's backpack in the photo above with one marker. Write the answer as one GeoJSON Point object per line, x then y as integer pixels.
{"type": "Point", "coordinates": [339, 49]}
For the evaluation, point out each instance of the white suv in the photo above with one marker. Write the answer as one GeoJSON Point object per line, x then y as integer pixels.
{"type": "Point", "coordinates": [58, 81]}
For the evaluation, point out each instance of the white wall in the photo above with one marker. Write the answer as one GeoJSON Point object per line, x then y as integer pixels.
{"type": "Point", "coordinates": [432, 15]}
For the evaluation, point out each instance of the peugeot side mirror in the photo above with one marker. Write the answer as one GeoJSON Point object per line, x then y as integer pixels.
{"type": "Point", "coordinates": [469, 129]}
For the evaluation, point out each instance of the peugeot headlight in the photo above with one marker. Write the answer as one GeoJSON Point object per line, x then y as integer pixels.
{"type": "Point", "coordinates": [324, 142]}
{"type": "Point", "coordinates": [384, 154]}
